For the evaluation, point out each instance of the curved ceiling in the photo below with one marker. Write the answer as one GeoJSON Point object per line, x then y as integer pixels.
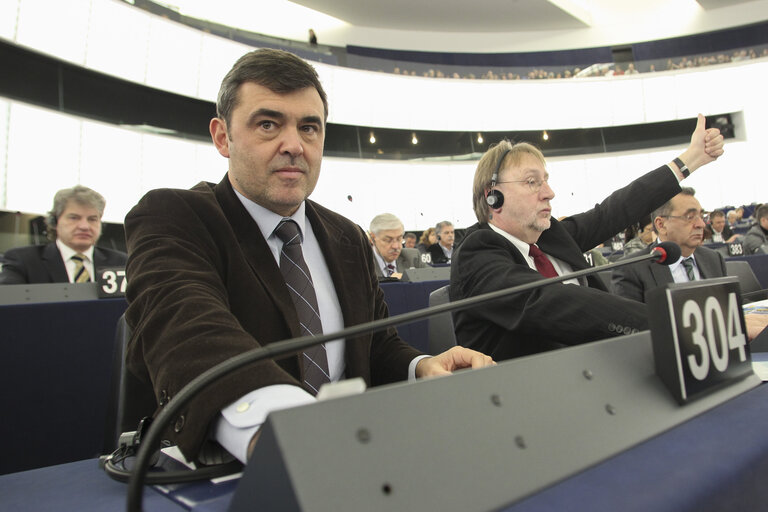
{"type": "Point", "coordinates": [478, 25]}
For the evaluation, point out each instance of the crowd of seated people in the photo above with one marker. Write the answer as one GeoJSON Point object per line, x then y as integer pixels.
{"type": "Point", "coordinates": [604, 69]}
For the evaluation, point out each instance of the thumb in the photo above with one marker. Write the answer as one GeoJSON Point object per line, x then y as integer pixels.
{"type": "Point", "coordinates": [701, 122]}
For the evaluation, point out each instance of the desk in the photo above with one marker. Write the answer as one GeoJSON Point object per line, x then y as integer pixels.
{"type": "Point", "coordinates": [717, 461]}
{"type": "Point", "coordinates": [405, 297]}
{"type": "Point", "coordinates": [56, 373]}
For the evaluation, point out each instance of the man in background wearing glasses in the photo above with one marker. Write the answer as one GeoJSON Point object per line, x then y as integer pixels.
{"type": "Point", "coordinates": [517, 241]}
{"type": "Point", "coordinates": [679, 220]}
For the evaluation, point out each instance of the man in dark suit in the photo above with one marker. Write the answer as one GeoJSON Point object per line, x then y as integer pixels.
{"type": "Point", "coordinates": [442, 251]}
{"type": "Point", "coordinates": [392, 259]}
{"type": "Point", "coordinates": [718, 230]}
{"type": "Point", "coordinates": [517, 241]}
{"type": "Point", "coordinates": [74, 224]}
{"type": "Point", "coordinates": [206, 269]}
{"type": "Point", "coordinates": [679, 220]}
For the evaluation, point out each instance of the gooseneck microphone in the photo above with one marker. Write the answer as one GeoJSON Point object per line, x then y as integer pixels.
{"type": "Point", "coordinates": [665, 253]}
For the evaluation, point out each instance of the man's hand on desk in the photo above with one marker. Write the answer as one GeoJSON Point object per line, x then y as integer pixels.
{"type": "Point", "coordinates": [756, 322]}
{"type": "Point", "coordinates": [454, 359]}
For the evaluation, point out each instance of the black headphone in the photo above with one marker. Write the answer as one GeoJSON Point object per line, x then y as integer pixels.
{"type": "Point", "coordinates": [494, 197]}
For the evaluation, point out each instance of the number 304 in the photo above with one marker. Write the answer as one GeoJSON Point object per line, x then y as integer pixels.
{"type": "Point", "coordinates": [713, 335]}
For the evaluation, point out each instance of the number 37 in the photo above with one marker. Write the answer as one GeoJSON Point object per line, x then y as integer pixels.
{"type": "Point", "coordinates": [111, 278]}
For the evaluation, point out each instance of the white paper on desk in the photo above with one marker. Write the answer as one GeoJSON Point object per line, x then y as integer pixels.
{"type": "Point", "coordinates": [174, 453]}
{"type": "Point", "coordinates": [760, 365]}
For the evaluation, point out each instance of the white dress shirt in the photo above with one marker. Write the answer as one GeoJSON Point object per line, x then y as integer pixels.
{"type": "Point", "coordinates": [560, 266]}
{"type": "Point", "coordinates": [66, 254]}
{"type": "Point", "coordinates": [240, 420]}
{"type": "Point", "coordinates": [679, 273]}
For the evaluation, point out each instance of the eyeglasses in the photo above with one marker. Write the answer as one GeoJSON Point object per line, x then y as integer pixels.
{"type": "Point", "coordinates": [690, 218]}
{"type": "Point", "coordinates": [534, 184]}
{"type": "Point", "coordinates": [389, 240]}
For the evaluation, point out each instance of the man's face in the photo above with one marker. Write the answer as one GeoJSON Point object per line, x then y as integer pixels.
{"type": "Point", "coordinates": [274, 143]}
{"type": "Point", "coordinates": [410, 242]}
{"type": "Point", "coordinates": [446, 236]}
{"type": "Point", "coordinates": [764, 222]}
{"type": "Point", "coordinates": [674, 228]}
{"type": "Point", "coordinates": [78, 226]}
{"type": "Point", "coordinates": [718, 223]}
{"type": "Point", "coordinates": [389, 243]}
{"type": "Point", "coordinates": [526, 211]}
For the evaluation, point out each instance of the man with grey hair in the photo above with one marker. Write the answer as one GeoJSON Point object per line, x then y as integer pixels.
{"type": "Point", "coordinates": [679, 220]}
{"type": "Point", "coordinates": [74, 226]}
{"type": "Point", "coordinates": [386, 232]}
{"type": "Point", "coordinates": [442, 251]}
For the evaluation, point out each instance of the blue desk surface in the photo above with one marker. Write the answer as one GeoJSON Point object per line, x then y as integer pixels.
{"type": "Point", "coordinates": [717, 461]}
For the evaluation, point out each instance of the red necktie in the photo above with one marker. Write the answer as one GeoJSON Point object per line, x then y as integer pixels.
{"type": "Point", "coordinates": [543, 265]}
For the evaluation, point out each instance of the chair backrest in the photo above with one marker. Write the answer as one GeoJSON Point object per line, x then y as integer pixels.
{"type": "Point", "coordinates": [441, 333]}
{"type": "Point", "coordinates": [747, 279]}
{"type": "Point", "coordinates": [130, 398]}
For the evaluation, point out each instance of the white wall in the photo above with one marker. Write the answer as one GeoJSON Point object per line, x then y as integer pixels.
{"type": "Point", "coordinates": [42, 151]}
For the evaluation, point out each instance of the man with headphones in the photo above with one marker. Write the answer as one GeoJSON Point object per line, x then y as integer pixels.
{"type": "Point", "coordinates": [74, 225]}
{"type": "Point", "coordinates": [517, 241]}
{"type": "Point", "coordinates": [442, 251]}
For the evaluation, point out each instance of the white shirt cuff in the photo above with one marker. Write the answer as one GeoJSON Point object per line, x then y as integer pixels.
{"type": "Point", "coordinates": [240, 420]}
{"type": "Point", "coordinates": [412, 367]}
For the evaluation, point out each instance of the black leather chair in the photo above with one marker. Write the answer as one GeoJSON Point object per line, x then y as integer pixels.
{"type": "Point", "coordinates": [441, 333]}
{"type": "Point", "coordinates": [130, 399]}
{"type": "Point", "coordinates": [750, 286]}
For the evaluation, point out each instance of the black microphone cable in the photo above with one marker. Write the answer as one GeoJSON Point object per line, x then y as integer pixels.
{"type": "Point", "coordinates": [665, 253]}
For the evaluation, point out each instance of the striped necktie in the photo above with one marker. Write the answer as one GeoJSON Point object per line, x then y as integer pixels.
{"type": "Point", "coordinates": [302, 291]}
{"type": "Point", "coordinates": [688, 264]}
{"type": "Point", "coordinates": [81, 273]}
{"type": "Point", "coordinates": [390, 269]}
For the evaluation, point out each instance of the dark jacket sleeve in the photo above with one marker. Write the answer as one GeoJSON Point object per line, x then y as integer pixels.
{"type": "Point", "coordinates": [13, 269]}
{"type": "Point", "coordinates": [626, 281]}
{"type": "Point", "coordinates": [551, 316]}
{"type": "Point", "coordinates": [185, 278]}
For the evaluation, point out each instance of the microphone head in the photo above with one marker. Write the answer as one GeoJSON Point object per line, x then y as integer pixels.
{"type": "Point", "coordinates": [669, 252]}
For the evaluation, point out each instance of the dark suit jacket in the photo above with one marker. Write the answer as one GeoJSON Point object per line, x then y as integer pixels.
{"type": "Point", "coordinates": [43, 264]}
{"type": "Point", "coordinates": [557, 315]}
{"type": "Point", "coordinates": [633, 281]}
{"type": "Point", "coordinates": [437, 254]}
{"type": "Point", "coordinates": [204, 287]}
{"type": "Point", "coordinates": [727, 232]}
{"type": "Point", "coordinates": [408, 258]}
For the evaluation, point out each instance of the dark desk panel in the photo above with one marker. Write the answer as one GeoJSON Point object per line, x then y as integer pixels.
{"type": "Point", "coordinates": [405, 297]}
{"type": "Point", "coordinates": [55, 370]}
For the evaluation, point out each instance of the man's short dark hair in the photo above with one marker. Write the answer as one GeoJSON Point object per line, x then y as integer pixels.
{"type": "Point", "coordinates": [279, 71]}
{"type": "Point", "coordinates": [716, 213]}
{"type": "Point", "coordinates": [666, 208]}
{"type": "Point", "coordinates": [761, 212]}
